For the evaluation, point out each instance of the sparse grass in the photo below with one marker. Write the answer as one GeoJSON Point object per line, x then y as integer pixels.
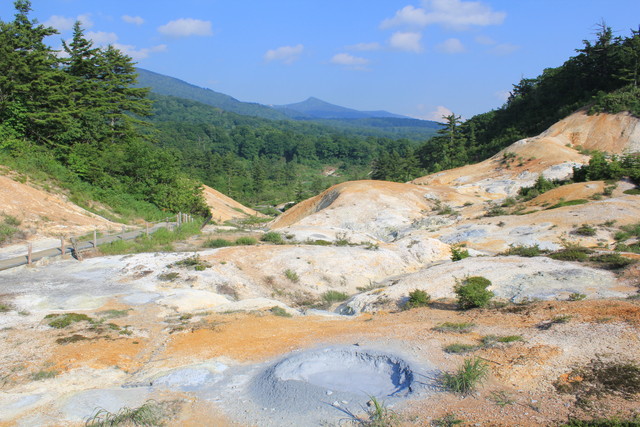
{"type": "Point", "coordinates": [612, 261]}
{"type": "Point", "coordinates": [501, 398]}
{"type": "Point", "coordinates": [557, 320]}
{"type": "Point", "coordinates": [113, 314]}
{"type": "Point", "coordinates": [585, 230]}
{"type": "Point", "coordinates": [272, 237]}
{"type": "Point", "coordinates": [571, 252]}
{"type": "Point", "coordinates": [159, 241]}
{"type": "Point", "coordinates": [279, 311]}
{"type": "Point", "coordinates": [468, 376]}
{"type": "Point", "coordinates": [492, 340]}
{"type": "Point", "coordinates": [60, 321]}
{"type": "Point", "coordinates": [459, 328]}
{"type": "Point", "coordinates": [168, 277]}
{"type": "Point", "coordinates": [604, 422]}
{"type": "Point", "coordinates": [9, 228]}
{"type": "Point", "coordinates": [193, 261]}
{"type": "Point", "coordinates": [448, 420]}
{"type": "Point", "coordinates": [632, 191]}
{"type": "Point", "coordinates": [4, 307]}
{"type": "Point", "coordinates": [217, 243]}
{"type": "Point", "coordinates": [417, 298]}
{"type": "Point", "coordinates": [459, 348]}
{"type": "Point", "coordinates": [458, 253]}
{"type": "Point", "coordinates": [378, 415]}
{"type": "Point", "coordinates": [495, 210]}
{"type": "Point", "coordinates": [149, 414]}
{"type": "Point", "coordinates": [568, 203]}
{"type": "Point", "coordinates": [291, 275]}
{"type": "Point", "coordinates": [43, 375]}
{"type": "Point", "coordinates": [334, 296]}
{"type": "Point", "coordinates": [71, 339]}
{"type": "Point", "coordinates": [472, 292]}
{"type": "Point", "coordinates": [576, 296]}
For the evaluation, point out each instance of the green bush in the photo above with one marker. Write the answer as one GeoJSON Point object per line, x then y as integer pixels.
{"type": "Point", "coordinates": [292, 275]}
{"type": "Point", "coordinates": [417, 298]}
{"type": "Point", "coordinates": [472, 292]}
{"type": "Point", "coordinates": [585, 230]}
{"type": "Point", "coordinates": [334, 296]}
{"type": "Point", "coordinates": [524, 251]}
{"type": "Point", "coordinates": [458, 253]}
{"type": "Point", "coordinates": [60, 321]}
{"type": "Point", "coordinates": [613, 261]}
{"type": "Point", "coordinates": [272, 237]}
{"type": "Point", "coordinates": [246, 241]}
{"type": "Point", "coordinates": [279, 311]}
{"type": "Point", "coordinates": [467, 378]}
{"type": "Point", "coordinates": [217, 243]}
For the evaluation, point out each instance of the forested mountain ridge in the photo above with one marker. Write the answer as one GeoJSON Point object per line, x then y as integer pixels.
{"type": "Point", "coordinates": [314, 108]}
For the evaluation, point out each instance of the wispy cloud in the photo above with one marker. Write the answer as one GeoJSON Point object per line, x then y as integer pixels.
{"type": "Point", "coordinates": [364, 46]}
{"type": "Point", "coordinates": [350, 61]}
{"type": "Point", "coordinates": [504, 49]}
{"type": "Point", "coordinates": [439, 114]}
{"type": "Point", "coordinates": [65, 23]}
{"type": "Point", "coordinates": [456, 14]}
{"type": "Point", "coordinates": [102, 38]}
{"type": "Point", "coordinates": [451, 46]}
{"type": "Point", "coordinates": [481, 39]}
{"type": "Point", "coordinates": [285, 54]}
{"type": "Point", "coordinates": [136, 20]}
{"type": "Point", "coordinates": [138, 54]}
{"type": "Point", "coordinates": [406, 41]}
{"type": "Point", "coordinates": [185, 27]}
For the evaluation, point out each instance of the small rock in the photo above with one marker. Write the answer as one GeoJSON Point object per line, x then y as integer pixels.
{"type": "Point", "coordinates": [336, 403]}
{"type": "Point", "coordinates": [329, 392]}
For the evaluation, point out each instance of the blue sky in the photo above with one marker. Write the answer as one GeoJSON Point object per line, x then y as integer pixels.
{"type": "Point", "coordinates": [421, 58]}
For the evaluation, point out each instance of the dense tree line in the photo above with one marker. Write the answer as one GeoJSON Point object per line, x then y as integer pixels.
{"type": "Point", "coordinates": [602, 77]}
{"type": "Point", "coordinates": [79, 109]}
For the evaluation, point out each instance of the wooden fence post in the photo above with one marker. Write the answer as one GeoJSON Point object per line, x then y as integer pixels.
{"type": "Point", "coordinates": [95, 240]}
{"type": "Point", "coordinates": [178, 218]}
{"type": "Point", "coordinates": [62, 248]}
{"type": "Point", "coordinates": [29, 251]}
{"type": "Point", "coordinates": [147, 228]}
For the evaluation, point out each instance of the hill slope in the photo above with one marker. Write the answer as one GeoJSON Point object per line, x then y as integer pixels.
{"type": "Point", "coordinates": [314, 108]}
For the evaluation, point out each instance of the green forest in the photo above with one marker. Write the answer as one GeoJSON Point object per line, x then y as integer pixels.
{"type": "Point", "coordinates": [76, 120]}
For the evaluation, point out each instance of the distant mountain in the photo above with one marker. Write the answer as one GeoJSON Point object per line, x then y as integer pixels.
{"type": "Point", "coordinates": [165, 85]}
{"type": "Point", "coordinates": [314, 108]}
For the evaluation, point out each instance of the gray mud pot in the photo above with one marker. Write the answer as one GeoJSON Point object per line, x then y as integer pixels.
{"type": "Point", "coordinates": [325, 384]}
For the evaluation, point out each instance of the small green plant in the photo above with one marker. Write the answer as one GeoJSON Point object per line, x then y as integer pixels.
{"type": "Point", "coordinates": [272, 237]}
{"type": "Point", "coordinates": [448, 420]}
{"type": "Point", "coordinates": [217, 243]}
{"type": "Point", "coordinates": [557, 320]}
{"type": "Point", "coordinates": [168, 277]}
{"type": "Point", "coordinates": [523, 251]}
{"type": "Point", "coordinates": [378, 415]}
{"type": "Point", "coordinates": [585, 230]}
{"type": "Point", "coordinates": [571, 252]}
{"type": "Point", "coordinates": [612, 261]}
{"type": "Point", "coordinates": [4, 307]}
{"type": "Point", "coordinates": [495, 210]}
{"type": "Point", "coordinates": [246, 241]}
{"type": "Point", "coordinates": [501, 398]}
{"type": "Point", "coordinates": [417, 298]}
{"type": "Point", "coordinates": [568, 203]}
{"type": "Point", "coordinates": [291, 275]}
{"type": "Point", "coordinates": [467, 378]}
{"type": "Point", "coordinates": [334, 296]}
{"type": "Point", "coordinates": [149, 414]}
{"type": "Point", "coordinates": [459, 348]}
{"type": "Point", "coordinates": [459, 328]}
{"type": "Point", "coordinates": [342, 240]}
{"type": "Point", "coordinates": [472, 292]}
{"type": "Point", "coordinates": [632, 191]}
{"type": "Point", "coordinates": [576, 296]}
{"type": "Point", "coordinates": [492, 340]}
{"type": "Point", "coordinates": [43, 375]}
{"type": "Point", "coordinates": [458, 253]}
{"type": "Point", "coordinates": [279, 311]}
{"type": "Point", "coordinates": [60, 321]}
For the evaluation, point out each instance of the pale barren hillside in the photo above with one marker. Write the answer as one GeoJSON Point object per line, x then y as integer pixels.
{"type": "Point", "coordinates": [224, 208]}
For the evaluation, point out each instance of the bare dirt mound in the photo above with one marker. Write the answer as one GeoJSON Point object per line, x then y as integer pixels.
{"type": "Point", "coordinates": [224, 208]}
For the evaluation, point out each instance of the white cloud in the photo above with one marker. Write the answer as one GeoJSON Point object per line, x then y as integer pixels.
{"type": "Point", "coordinates": [451, 46]}
{"type": "Point", "coordinates": [502, 95]}
{"type": "Point", "coordinates": [354, 62]}
{"type": "Point", "coordinates": [138, 54]}
{"type": "Point", "coordinates": [102, 38]}
{"type": "Point", "coordinates": [504, 49]}
{"type": "Point", "coordinates": [406, 41]}
{"type": "Point", "coordinates": [407, 16]}
{"type": "Point", "coordinates": [185, 27]}
{"type": "Point", "coordinates": [364, 46]}
{"type": "Point", "coordinates": [439, 114]}
{"type": "Point", "coordinates": [65, 23]}
{"type": "Point", "coordinates": [286, 54]}
{"type": "Point", "coordinates": [136, 20]}
{"type": "Point", "coordinates": [456, 14]}
{"type": "Point", "coordinates": [60, 23]}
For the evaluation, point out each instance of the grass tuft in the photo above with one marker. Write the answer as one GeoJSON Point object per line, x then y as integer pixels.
{"type": "Point", "coordinates": [467, 378]}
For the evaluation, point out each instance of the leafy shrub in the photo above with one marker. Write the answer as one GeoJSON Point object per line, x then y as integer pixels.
{"type": "Point", "coordinates": [458, 253]}
{"type": "Point", "coordinates": [272, 237]}
{"type": "Point", "coordinates": [246, 241]}
{"type": "Point", "coordinates": [291, 275]}
{"type": "Point", "coordinates": [523, 251]}
{"type": "Point", "coordinates": [472, 292]}
{"type": "Point", "coordinates": [467, 378]}
{"type": "Point", "coordinates": [612, 261]}
{"type": "Point", "coordinates": [417, 298]}
{"type": "Point", "coordinates": [279, 311]}
{"type": "Point", "coordinates": [217, 243]}
{"type": "Point", "coordinates": [541, 185]}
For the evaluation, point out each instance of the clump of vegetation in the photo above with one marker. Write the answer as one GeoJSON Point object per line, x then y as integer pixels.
{"type": "Point", "coordinates": [459, 348]}
{"type": "Point", "coordinates": [149, 414]}
{"type": "Point", "coordinates": [524, 251]}
{"type": "Point", "coordinates": [460, 327]}
{"type": "Point", "coordinates": [417, 298]}
{"type": "Point", "coordinates": [571, 252]}
{"type": "Point", "coordinates": [291, 275]}
{"type": "Point", "coordinates": [577, 296]}
{"type": "Point", "coordinates": [495, 210]}
{"type": "Point", "coordinates": [272, 237]}
{"type": "Point", "coordinates": [4, 307]}
{"type": "Point", "coordinates": [9, 228]}
{"type": "Point", "coordinates": [334, 296]}
{"type": "Point", "coordinates": [604, 422]}
{"type": "Point", "coordinates": [246, 241]}
{"type": "Point", "coordinates": [467, 378]}
{"type": "Point", "coordinates": [160, 240]}
{"type": "Point", "coordinates": [194, 261]}
{"type": "Point", "coordinates": [169, 277]}
{"type": "Point", "coordinates": [501, 398]}
{"type": "Point", "coordinates": [217, 243]}
{"type": "Point", "coordinates": [279, 311]}
{"type": "Point", "coordinates": [557, 320]}
{"type": "Point", "coordinates": [585, 230]}
{"type": "Point", "coordinates": [342, 240]}
{"type": "Point", "coordinates": [378, 415]}
{"type": "Point", "coordinates": [448, 420]}
{"type": "Point", "coordinates": [563, 203]}
{"type": "Point", "coordinates": [611, 261]}
{"type": "Point", "coordinates": [542, 185]}
{"type": "Point", "coordinates": [601, 377]}
{"type": "Point", "coordinates": [458, 253]}
{"type": "Point", "coordinates": [44, 375]}
{"type": "Point", "coordinates": [492, 340]}
{"type": "Point", "coordinates": [60, 321]}
{"type": "Point", "coordinates": [472, 292]}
